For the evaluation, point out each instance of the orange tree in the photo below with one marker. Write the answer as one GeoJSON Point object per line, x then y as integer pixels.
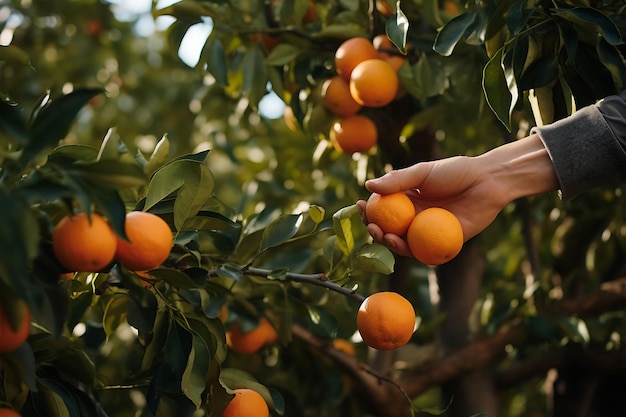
{"type": "Point", "coordinates": [526, 320]}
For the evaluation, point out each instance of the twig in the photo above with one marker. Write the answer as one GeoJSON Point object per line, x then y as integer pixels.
{"type": "Point", "coordinates": [319, 279]}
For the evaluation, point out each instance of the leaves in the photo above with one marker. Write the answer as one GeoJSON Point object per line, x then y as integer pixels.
{"type": "Point", "coordinates": [452, 32]}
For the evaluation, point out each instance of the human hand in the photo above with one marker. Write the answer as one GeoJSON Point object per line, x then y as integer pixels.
{"type": "Point", "coordinates": [463, 185]}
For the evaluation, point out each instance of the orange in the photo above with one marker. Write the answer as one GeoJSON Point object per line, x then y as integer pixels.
{"type": "Point", "coordinates": [435, 236]}
{"type": "Point", "coordinates": [387, 51]}
{"type": "Point", "coordinates": [345, 346]}
{"type": "Point", "coordinates": [252, 341]}
{"type": "Point", "coordinates": [7, 412]}
{"type": "Point", "coordinates": [84, 245]}
{"type": "Point", "coordinates": [374, 83]}
{"type": "Point", "coordinates": [384, 8]}
{"type": "Point", "coordinates": [246, 403]}
{"type": "Point", "coordinates": [354, 134]}
{"type": "Point", "coordinates": [149, 241]}
{"type": "Point", "coordinates": [336, 97]}
{"type": "Point", "coordinates": [311, 14]}
{"type": "Point", "coordinates": [393, 213]}
{"type": "Point", "coordinates": [386, 320]}
{"type": "Point", "coordinates": [351, 53]}
{"type": "Point", "coordinates": [11, 339]}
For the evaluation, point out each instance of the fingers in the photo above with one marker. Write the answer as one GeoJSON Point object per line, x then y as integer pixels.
{"type": "Point", "coordinates": [393, 242]}
{"type": "Point", "coordinates": [400, 180]}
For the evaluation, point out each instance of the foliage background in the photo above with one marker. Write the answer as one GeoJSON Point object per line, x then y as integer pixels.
{"type": "Point", "coordinates": [527, 321]}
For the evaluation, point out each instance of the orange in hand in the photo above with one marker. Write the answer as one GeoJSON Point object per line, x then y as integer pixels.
{"type": "Point", "coordinates": [246, 403]}
{"type": "Point", "coordinates": [386, 320]}
{"type": "Point", "coordinates": [435, 236]}
{"type": "Point", "coordinates": [393, 213]}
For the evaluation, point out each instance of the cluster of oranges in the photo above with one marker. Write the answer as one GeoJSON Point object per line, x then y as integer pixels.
{"type": "Point", "coordinates": [434, 235]}
{"type": "Point", "coordinates": [366, 76]}
{"type": "Point", "coordinates": [84, 243]}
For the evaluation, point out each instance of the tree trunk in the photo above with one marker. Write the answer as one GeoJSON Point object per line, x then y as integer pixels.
{"type": "Point", "coordinates": [459, 287]}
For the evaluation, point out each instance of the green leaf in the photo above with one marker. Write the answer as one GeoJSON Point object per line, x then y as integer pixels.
{"type": "Point", "coordinates": [496, 89]}
{"type": "Point", "coordinates": [158, 156]}
{"type": "Point", "coordinates": [230, 272]}
{"type": "Point", "coordinates": [345, 223]}
{"type": "Point", "coordinates": [60, 401]}
{"type": "Point", "coordinates": [397, 29]}
{"type": "Point", "coordinates": [452, 32]}
{"type": "Point", "coordinates": [115, 310]}
{"type": "Point", "coordinates": [283, 54]}
{"type": "Point", "coordinates": [12, 122]}
{"type": "Point", "coordinates": [612, 60]}
{"type": "Point", "coordinates": [340, 31]}
{"type": "Point", "coordinates": [321, 322]}
{"type": "Point", "coordinates": [214, 56]}
{"type": "Point", "coordinates": [317, 213]}
{"type": "Point", "coordinates": [174, 277]}
{"type": "Point", "coordinates": [278, 274]}
{"type": "Point", "coordinates": [184, 10]}
{"type": "Point", "coordinates": [111, 172]}
{"type": "Point", "coordinates": [53, 122]}
{"type": "Point", "coordinates": [374, 258]}
{"type": "Point", "coordinates": [110, 148]}
{"type": "Point", "coordinates": [14, 55]}
{"type": "Point", "coordinates": [192, 195]}
{"type": "Point", "coordinates": [254, 76]}
{"type": "Point", "coordinates": [609, 30]}
{"type": "Point", "coordinates": [280, 230]}
{"type": "Point", "coordinates": [166, 181]}
{"type": "Point", "coordinates": [517, 17]}
{"type": "Point", "coordinates": [193, 380]}
{"type": "Point", "coordinates": [540, 72]}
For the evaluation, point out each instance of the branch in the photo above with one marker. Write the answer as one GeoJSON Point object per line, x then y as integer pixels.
{"type": "Point", "coordinates": [319, 279]}
{"type": "Point", "coordinates": [612, 296]}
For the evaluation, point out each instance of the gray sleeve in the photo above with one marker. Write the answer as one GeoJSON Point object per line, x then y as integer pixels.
{"type": "Point", "coordinates": [587, 149]}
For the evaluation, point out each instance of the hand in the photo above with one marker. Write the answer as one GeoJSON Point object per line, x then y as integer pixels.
{"type": "Point", "coordinates": [475, 189]}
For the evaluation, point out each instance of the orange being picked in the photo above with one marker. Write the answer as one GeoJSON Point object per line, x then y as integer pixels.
{"type": "Point", "coordinates": [246, 403]}
{"type": "Point", "coordinates": [393, 213]}
{"type": "Point", "coordinates": [435, 236]}
{"type": "Point", "coordinates": [355, 133]}
{"type": "Point", "coordinates": [374, 83]}
{"type": "Point", "coordinates": [7, 412]}
{"type": "Point", "coordinates": [336, 97]}
{"type": "Point", "coordinates": [149, 241]}
{"type": "Point", "coordinates": [11, 339]}
{"type": "Point", "coordinates": [386, 320]}
{"type": "Point", "coordinates": [351, 53]}
{"type": "Point", "coordinates": [84, 244]}
{"type": "Point", "coordinates": [251, 342]}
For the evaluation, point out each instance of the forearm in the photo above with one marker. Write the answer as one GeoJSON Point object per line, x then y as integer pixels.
{"type": "Point", "coordinates": [521, 168]}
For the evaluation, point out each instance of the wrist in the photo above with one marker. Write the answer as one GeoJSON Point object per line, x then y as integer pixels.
{"type": "Point", "coordinates": [523, 168]}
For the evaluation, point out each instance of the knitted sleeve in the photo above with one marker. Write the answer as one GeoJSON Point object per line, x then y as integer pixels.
{"type": "Point", "coordinates": [588, 148]}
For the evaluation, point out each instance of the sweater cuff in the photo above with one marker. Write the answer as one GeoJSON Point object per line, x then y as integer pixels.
{"type": "Point", "coordinates": [583, 150]}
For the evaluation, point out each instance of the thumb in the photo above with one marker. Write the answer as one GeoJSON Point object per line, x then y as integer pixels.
{"type": "Point", "coordinates": [400, 179]}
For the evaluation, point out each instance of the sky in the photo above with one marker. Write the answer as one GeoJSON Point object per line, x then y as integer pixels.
{"type": "Point", "coordinates": [271, 106]}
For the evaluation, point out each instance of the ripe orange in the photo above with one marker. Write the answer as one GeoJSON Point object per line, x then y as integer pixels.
{"type": "Point", "coordinates": [336, 97]}
{"type": "Point", "coordinates": [384, 45]}
{"type": "Point", "coordinates": [386, 320]}
{"type": "Point", "coordinates": [246, 403]}
{"type": "Point", "coordinates": [351, 53]}
{"type": "Point", "coordinates": [435, 236]}
{"type": "Point", "coordinates": [252, 341]}
{"type": "Point", "coordinates": [345, 346]}
{"type": "Point", "coordinates": [12, 339]}
{"type": "Point", "coordinates": [354, 134]}
{"type": "Point", "coordinates": [7, 412]}
{"type": "Point", "coordinates": [84, 245]}
{"type": "Point", "coordinates": [149, 241]}
{"type": "Point", "coordinates": [374, 83]}
{"type": "Point", "coordinates": [393, 213]}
